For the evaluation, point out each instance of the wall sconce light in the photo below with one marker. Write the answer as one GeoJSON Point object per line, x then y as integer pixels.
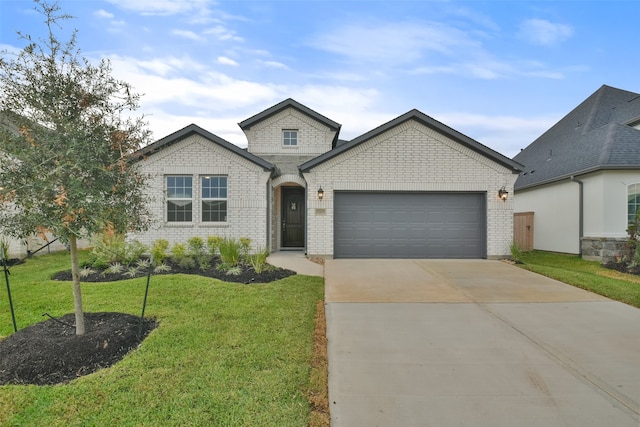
{"type": "Point", "coordinates": [502, 194]}
{"type": "Point", "coordinates": [320, 193]}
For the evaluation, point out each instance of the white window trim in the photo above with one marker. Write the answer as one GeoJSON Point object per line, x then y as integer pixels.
{"type": "Point", "coordinates": [207, 199]}
{"type": "Point", "coordinates": [169, 199]}
{"type": "Point", "coordinates": [284, 138]}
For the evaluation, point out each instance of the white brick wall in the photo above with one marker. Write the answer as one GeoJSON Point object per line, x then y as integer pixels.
{"type": "Point", "coordinates": [266, 137]}
{"type": "Point", "coordinates": [410, 157]}
{"type": "Point", "coordinates": [196, 156]}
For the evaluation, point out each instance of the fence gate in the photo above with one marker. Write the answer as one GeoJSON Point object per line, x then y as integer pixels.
{"type": "Point", "coordinates": [523, 230]}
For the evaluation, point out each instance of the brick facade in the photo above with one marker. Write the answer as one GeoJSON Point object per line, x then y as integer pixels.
{"type": "Point", "coordinates": [409, 156]}
{"type": "Point", "coordinates": [195, 156]}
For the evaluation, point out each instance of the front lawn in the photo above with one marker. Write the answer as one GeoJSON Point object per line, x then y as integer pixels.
{"type": "Point", "coordinates": [224, 353]}
{"type": "Point", "coordinates": [589, 275]}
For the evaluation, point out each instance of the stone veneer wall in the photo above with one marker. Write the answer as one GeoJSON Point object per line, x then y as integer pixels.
{"type": "Point", "coordinates": [602, 249]}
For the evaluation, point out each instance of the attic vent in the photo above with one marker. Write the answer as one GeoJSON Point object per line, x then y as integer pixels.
{"type": "Point", "coordinates": [578, 125]}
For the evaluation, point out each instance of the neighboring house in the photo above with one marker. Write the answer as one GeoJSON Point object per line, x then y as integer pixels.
{"type": "Point", "coordinates": [411, 188]}
{"type": "Point", "coordinates": [582, 177]}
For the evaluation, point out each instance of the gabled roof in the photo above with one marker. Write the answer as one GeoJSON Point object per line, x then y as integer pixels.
{"type": "Point", "coordinates": [290, 103]}
{"type": "Point", "coordinates": [197, 130]}
{"type": "Point", "coordinates": [596, 135]}
{"type": "Point", "coordinates": [427, 121]}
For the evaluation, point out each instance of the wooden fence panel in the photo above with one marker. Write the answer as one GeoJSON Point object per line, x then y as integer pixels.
{"type": "Point", "coordinates": [523, 230]}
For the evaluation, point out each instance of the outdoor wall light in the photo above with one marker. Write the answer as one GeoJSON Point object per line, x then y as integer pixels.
{"type": "Point", "coordinates": [502, 194]}
{"type": "Point", "coordinates": [320, 193]}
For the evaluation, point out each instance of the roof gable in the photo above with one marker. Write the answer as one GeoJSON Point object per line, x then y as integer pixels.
{"type": "Point", "coordinates": [291, 103]}
{"type": "Point", "coordinates": [427, 121]}
{"type": "Point", "coordinates": [595, 135]}
{"type": "Point", "coordinates": [196, 130]}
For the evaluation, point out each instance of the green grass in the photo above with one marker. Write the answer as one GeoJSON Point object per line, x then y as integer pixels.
{"type": "Point", "coordinates": [589, 275]}
{"type": "Point", "coordinates": [224, 354]}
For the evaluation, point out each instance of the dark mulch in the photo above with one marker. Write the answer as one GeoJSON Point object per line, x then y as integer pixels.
{"type": "Point", "coordinates": [247, 275]}
{"type": "Point", "coordinates": [50, 352]}
{"type": "Point", "coordinates": [622, 267]}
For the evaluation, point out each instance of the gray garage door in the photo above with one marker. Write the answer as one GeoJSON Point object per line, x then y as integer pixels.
{"type": "Point", "coordinates": [409, 225]}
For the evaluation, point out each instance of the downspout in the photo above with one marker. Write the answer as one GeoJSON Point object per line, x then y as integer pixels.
{"type": "Point", "coordinates": [580, 214]}
{"type": "Point", "coordinates": [268, 185]}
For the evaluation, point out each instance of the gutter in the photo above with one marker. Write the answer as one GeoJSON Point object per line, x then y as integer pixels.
{"type": "Point", "coordinates": [581, 213]}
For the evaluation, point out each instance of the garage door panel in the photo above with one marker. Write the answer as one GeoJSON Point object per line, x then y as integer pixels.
{"type": "Point", "coordinates": [409, 225]}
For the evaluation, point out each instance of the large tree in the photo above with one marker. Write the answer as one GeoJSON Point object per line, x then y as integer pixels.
{"type": "Point", "coordinates": [68, 131]}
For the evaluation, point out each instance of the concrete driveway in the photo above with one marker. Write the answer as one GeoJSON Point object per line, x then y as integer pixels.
{"type": "Point", "coordinates": [475, 343]}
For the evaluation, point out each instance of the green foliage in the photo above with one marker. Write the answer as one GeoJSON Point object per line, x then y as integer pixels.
{"type": "Point", "coordinates": [162, 268]}
{"type": "Point", "coordinates": [236, 270]}
{"type": "Point", "coordinates": [256, 374]}
{"type": "Point", "coordinates": [159, 251]}
{"type": "Point", "coordinates": [516, 252]}
{"type": "Point", "coordinates": [68, 131]}
{"type": "Point", "coordinates": [109, 248]}
{"type": "Point", "coordinates": [69, 134]}
{"type": "Point", "coordinates": [4, 247]}
{"type": "Point", "coordinates": [230, 250]}
{"type": "Point", "coordinates": [180, 256]}
{"type": "Point", "coordinates": [199, 252]}
{"type": "Point", "coordinates": [115, 268]}
{"type": "Point", "coordinates": [589, 275]}
{"type": "Point", "coordinates": [245, 246]}
{"type": "Point", "coordinates": [213, 244]}
{"type": "Point", "coordinates": [258, 260]}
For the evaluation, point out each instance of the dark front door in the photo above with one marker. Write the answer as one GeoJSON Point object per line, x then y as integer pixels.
{"type": "Point", "coordinates": [293, 217]}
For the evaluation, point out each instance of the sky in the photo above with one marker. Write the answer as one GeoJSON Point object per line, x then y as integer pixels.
{"type": "Point", "coordinates": [500, 72]}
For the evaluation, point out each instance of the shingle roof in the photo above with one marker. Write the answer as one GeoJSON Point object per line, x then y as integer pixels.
{"type": "Point", "coordinates": [596, 135]}
{"type": "Point", "coordinates": [427, 121]}
{"type": "Point", "coordinates": [197, 130]}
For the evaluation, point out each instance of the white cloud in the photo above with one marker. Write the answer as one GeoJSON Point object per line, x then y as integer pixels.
{"type": "Point", "coordinates": [103, 14]}
{"type": "Point", "coordinates": [543, 32]}
{"type": "Point", "coordinates": [392, 42]}
{"type": "Point", "coordinates": [222, 33]}
{"type": "Point", "coordinates": [187, 34]}
{"type": "Point", "coordinates": [227, 61]}
{"type": "Point", "coordinates": [274, 64]}
{"type": "Point", "coordinates": [164, 7]}
{"type": "Point", "coordinates": [504, 134]}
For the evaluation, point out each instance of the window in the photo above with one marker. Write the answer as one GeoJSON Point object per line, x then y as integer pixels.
{"type": "Point", "coordinates": [179, 198]}
{"type": "Point", "coordinates": [633, 202]}
{"type": "Point", "coordinates": [214, 198]}
{"type": "Point", "coordinates": [290, 137]}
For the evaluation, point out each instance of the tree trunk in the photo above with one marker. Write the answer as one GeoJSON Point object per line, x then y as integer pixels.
{"type": "Point", "coordinates": [77, 291]}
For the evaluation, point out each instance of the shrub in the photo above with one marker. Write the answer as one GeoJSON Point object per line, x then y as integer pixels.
{"type": "Point", "coordinates": [197, 250]}
{"type": "Point", "coordinates": [234, 271]}
{"type": "Point", "coordinates": [132, 272]}
{"type": "Point", "coordinates": [180, 256]}
{"type": "Point", "coordinates": [258, 260]}
{"type": "Point", "coordinates": [111, 247]}
{"type": "Point", "coordinates": [108, 248]}
{"type": "Point", "coordinates": [133, 251]}
{"type": "Point", "coordinates": [245, 246]}
{"type": "Point", "coordinates": [162, 268]}
{"type": "Point", "coordinates": [230, 251]}
{"type": "Point", "coordinates": [115, 268]}
{"type": "Point", "coordinates": [516, 252]}
{"type": "Point", "coordinates": [159, 251]}
{"type": "Point", "coordinates": [4, 247]}
{"type": "Point", "coordinates": [213, 244]}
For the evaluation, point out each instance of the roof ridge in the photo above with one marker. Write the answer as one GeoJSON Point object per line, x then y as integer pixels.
{"type": "Point", "coordinates": [607, 146]}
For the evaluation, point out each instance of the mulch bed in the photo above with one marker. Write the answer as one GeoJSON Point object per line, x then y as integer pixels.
{"type": "Point", "coordinates": [246, 276]}
{"type": "Point", "coordinates": [50, 352]}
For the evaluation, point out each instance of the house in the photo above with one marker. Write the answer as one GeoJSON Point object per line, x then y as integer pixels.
{"type": "Point", "coordinates": [582, 177]}
{"type": "Point", "coordinates": [411, 188]}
